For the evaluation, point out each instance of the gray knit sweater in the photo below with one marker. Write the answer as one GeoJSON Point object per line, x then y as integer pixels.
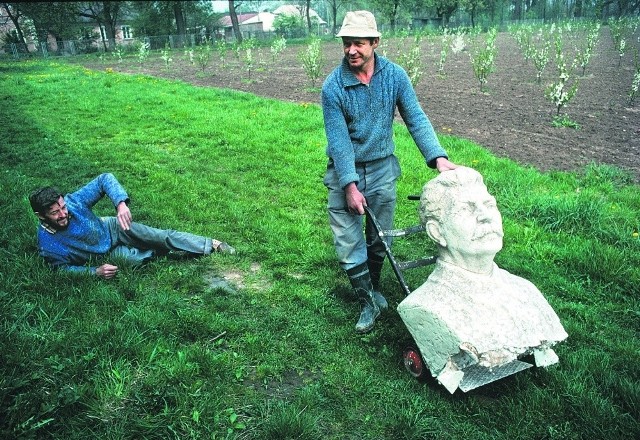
{"type": "Point", "coordinates": [358, 118]}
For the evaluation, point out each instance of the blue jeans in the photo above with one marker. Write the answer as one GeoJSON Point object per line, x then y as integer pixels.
{"type": "Point", "coordinates": [378, 185]}
{"type": "Point", "coordinates": [140, 243]}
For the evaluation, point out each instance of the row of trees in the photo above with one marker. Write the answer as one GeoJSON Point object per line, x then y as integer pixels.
{"type": "Point", "coordinates": [492, 12]}
{"type": "Point", "coordinates": [77, 20]}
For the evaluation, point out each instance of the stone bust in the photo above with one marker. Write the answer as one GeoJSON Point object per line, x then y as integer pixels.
{"type": "Point", "coordinates": [469, 311]}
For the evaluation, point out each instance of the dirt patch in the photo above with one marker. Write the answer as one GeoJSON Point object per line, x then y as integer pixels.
{"type": "Point", "coordinates": [512, 118]}
{"type": "Point", "coordinates": [286, 386]}
{"type": "Point", "coordinates": [232, 280]}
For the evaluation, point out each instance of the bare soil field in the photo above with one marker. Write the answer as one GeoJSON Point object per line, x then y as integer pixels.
{"type": "Point", "coordinates": [512, 118]}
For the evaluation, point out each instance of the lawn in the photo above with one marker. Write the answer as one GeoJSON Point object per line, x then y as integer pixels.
{"type": "Point", "coordinates": [260, 345]}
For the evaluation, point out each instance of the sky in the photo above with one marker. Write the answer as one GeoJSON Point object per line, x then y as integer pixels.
{"type": "Point", "coordinates": [220, 5]}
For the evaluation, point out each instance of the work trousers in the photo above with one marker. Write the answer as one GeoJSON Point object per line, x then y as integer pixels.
{"type": "Point", "coordinates": [378, 185]}
{"type": "Point", "coordinates": [141, 243]}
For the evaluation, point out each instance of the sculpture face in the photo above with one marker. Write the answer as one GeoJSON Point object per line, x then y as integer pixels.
{"type": "Point", "coordinates": [473, 224]}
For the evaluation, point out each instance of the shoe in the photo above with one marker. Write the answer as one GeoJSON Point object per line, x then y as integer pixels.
{"type": "Point", "coordinates": [222, 247]}
{"type": "Point", "coordinates": [368, 313]}
{"type": "Point", "coordinates": [370, 310]}
{"type": "Point", "coordinates": [380, 301]}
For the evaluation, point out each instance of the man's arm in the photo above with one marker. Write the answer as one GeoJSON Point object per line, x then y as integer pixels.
{"type": "Point", "coordinates": [418, 123]}
{"type": "Point", "coordinates": [339, 146]}
{"type": "Point", "coordinates": [58, 262]}
{"type": "Point", "coordinates": [104, 184]}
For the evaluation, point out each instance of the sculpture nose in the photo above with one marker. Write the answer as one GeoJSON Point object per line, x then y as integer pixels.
{"type": "Point", "coordinates": [484, 214]}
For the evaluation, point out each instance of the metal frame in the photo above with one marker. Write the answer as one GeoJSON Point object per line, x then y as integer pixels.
{"type": "Point", "coordinates": [398, 266]}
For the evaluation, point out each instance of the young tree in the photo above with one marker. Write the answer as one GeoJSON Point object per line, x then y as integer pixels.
{"type": "Point", "coordinates": [312, 61]}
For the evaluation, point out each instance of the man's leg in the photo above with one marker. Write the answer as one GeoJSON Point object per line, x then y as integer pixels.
{"type": "Point", "coordinates": [352, 254]}
{"type": "Point", "coordinates": [131, 255]}
{"type": "Point", "coordinates": [380, 193]}
{"type": "Point", "coordinates": [159, 240]}
{"type": "Point", "coordinates": [351, 248]}
{"type": "Point", "coordinates": [369, 309]}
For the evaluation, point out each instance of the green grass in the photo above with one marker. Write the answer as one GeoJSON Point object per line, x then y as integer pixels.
{"type": "Point", "coordinates": [162, 352]}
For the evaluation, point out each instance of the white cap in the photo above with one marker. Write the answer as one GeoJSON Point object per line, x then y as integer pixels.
{"type": "Point", "coordinates": [359, 24]}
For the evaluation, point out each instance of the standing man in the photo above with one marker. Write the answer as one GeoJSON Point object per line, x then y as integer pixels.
{"type": "Point", "coordinates": [359, 100]}
{"type": "Point", "coordinates": [71, 237]}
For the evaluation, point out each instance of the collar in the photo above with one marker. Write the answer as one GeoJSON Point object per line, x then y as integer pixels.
{"type": "Point", "coordinates": [349, 79]}
{"type": "Point", "coordinates": [48, 228]}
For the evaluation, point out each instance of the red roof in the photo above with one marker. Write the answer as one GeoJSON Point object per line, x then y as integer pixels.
{"type": "Point", "coordinates": [226, 20]}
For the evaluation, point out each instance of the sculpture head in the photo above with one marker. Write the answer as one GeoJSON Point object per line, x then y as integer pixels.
{"type": "Point", "coordinates": [461, 217]}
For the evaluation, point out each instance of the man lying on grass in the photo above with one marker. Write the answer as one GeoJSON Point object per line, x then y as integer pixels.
{"type": "Point", "coordinates": [71, 235]}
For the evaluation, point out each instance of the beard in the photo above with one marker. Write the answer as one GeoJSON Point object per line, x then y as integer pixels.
{"type": "Point", "coordinates": [57, 224]}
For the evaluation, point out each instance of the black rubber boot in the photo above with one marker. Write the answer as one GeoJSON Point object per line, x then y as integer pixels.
{"type": "Point", "coordinates": [374, 263]}
{"type": "Point", "coordinates": [361, 283]}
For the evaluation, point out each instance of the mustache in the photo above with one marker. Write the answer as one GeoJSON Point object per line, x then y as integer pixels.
{"type": "Point", "coordinates": [482, 232]}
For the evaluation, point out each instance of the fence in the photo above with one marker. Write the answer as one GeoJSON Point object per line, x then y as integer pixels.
{"type": "Point", "coordinates": [79, 47]}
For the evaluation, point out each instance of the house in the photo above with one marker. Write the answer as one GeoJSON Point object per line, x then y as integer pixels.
{"type": "Point", "coordinates": [299, 12]}
{"type": "Point", "coordinates": [227, 26]}
{"type": "Point", "coordinates": [94, 38]}
{"type": "Point", "coordinates": [262, 22]}
{"type": "Point", "coordinates": [257, 24]}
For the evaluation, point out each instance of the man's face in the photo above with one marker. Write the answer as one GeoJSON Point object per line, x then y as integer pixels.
{"type": "Point", "coordinates": [473, 224]}
{"type": "Point", "coordinates": [359, 51]}
{"type": "Point", "coordinates": [57, 216]}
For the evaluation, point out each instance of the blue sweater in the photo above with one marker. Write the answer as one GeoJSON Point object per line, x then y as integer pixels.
{"type": "Point", "coordinates": [358, 118]}
{"type": "Point", "coordinates": [87, 236]}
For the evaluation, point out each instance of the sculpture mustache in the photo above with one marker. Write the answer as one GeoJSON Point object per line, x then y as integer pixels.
{"type": "Point", "coordinates": [482, 232]}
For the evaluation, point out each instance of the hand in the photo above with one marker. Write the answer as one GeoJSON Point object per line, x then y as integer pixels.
{"type": "Point", "coordinates": [107, 271]}
{"type": "Point", "coordinates": [443, 164]}
{"type": "Point", "coordinates": [355, 200]}
{"type": "Point", "coordinates": [124, 216]}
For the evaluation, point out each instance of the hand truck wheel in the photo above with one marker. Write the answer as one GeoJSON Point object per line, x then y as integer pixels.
{"type": "Point", "coordinates": [413, 363]}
